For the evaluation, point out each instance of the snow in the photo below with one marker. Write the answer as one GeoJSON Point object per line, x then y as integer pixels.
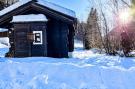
{"type": "Point", "coordinates": [3, 46]}
{"type": "Point", "coordinates": [3, 50]}
{"type": "Point", "coordinates": [3, 29]}
{"type": "Point", "coordinates": [78, 45]}
{"type": "Point", "coordinates": [4, 41]}
{"type": "Point", "coordinates": [57, 8]}
{"type": "Point", "coordinates": [41, 2]}
{"type": "Point", "coordinates": [84, 70]}
{"type": "Point", "coordinates": [29, 18]}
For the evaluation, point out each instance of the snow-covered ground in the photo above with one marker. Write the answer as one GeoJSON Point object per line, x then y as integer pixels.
{"type": "Point", "coordinates": [84, 70]}
{"type": "Point", "coordinates": [4, 40]}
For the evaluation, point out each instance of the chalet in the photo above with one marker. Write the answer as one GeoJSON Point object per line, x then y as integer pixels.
{"type": "Point", "coordinates": [38, 28]}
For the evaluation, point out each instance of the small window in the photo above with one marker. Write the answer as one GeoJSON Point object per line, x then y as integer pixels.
{"type": "Point", "coordinates": [38, 39]}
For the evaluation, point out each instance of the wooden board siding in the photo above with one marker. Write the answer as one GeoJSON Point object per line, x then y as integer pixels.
{"type": "Point", "coordinates": [22, 46]}
{"type": "Point", "coordinates": [71, 35]}
{"type": "Point", "coordinates": [39, 50]}
{"type": "Point", "coordinates": [52, 39]}
{"type": "Point", "coordinates": [4, 34]}
{"type": "Point", "coordinates": [57, 39]}
{"type": "Point", "coordinates": [64, 39]}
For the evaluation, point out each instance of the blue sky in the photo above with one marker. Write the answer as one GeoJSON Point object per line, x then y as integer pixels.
{"type": "Point", "coordinates": [81, 7]}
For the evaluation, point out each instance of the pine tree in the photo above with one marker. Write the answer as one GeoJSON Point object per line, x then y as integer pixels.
{"type": "Point", "coordinates": [92, 34]}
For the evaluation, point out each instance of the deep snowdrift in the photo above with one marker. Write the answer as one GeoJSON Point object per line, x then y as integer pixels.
{"type": "Point", "coordinates": [85, 70]}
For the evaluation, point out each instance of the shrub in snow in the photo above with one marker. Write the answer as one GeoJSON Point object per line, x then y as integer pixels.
{"type": "Point", "coordinates": [120, 53]}
{"type": "Point", "coordinates": [125, 43]}
{"type": "Point", "coordinates": [97, 50]}
{"type": "Point", "coordinates": [132, 53]}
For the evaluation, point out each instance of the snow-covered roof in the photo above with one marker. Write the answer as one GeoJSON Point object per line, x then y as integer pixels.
{"type": "Point", "coordinates": [3, 29]}
{"type": "Point", "coordinates": [57, 8]}
{"type": "Point", "coordinates": [41, 2]}
{"type": "Point", "coordinates": [29, 18]}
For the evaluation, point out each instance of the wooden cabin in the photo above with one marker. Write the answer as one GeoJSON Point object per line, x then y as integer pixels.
{"type": "Point", "coordinates": [38, 28]}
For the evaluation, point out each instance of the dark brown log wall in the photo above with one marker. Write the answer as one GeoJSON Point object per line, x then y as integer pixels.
{"type": "Point", "coordinates": [4, 34]}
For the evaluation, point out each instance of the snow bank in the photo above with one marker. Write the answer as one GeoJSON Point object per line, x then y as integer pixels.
{"type": "Point", "coordinates": [91, 71]}
{"type": "Point", "coordinates": [4, 42]}
{"type": "Point", "coordinates": [4, 45]}
{"type": "Point", "coordinates": [3, 51]}
{"type": "Point", "coordinates": [29, 18]}
{"type": "Point", "coordinates": [78, 45]}
{"type": "Point", "coordinates": [3, 29]}
{"type": "Point", "coordinates": [4, 39]}
{"type": "Point", "coordinates": [49, 73]}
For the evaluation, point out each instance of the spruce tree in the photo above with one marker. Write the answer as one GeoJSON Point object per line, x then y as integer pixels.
{"type": "Point", "coordinates": [92, 37]}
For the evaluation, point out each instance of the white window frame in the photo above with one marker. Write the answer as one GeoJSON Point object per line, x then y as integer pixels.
{"type": "Point", "coordinates": [41, 35]}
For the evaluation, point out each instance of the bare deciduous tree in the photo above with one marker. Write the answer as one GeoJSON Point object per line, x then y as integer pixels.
{"type": "Point", "coordinates": [6, 3]}
{"type": "Point", "coordinates": [108, 13]}
{"type": "Point", "coordinates": [126, 3]}
{"type": "Point", "coordinates": [80, 31]}
{"type": "Point", "coordinates": [1, 5]}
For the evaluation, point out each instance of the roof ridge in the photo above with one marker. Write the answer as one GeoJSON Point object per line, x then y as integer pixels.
{"type": "Point", "coordinates": [57, 7]}
{"type": "Point", "coordinates": [45, 3]}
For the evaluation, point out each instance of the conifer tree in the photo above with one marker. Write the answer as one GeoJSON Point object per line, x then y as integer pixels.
{"type": "Point", "coordinates": [92, 34]}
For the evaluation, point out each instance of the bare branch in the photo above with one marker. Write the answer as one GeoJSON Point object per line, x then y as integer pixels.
{"type": "Point", "coordinates": [125, 3]}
